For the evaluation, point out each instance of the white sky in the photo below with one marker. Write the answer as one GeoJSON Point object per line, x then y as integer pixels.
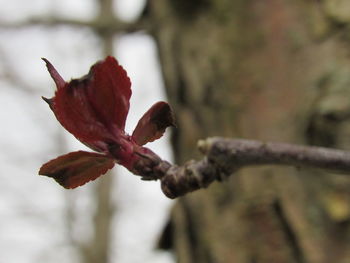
{"type": "Point", "coordinates": [32, 208]}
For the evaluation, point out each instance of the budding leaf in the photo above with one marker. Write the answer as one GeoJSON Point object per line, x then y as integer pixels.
{"type": "Point", "coordinates": [153, 123]}
{"type": "Point", "coordinates": [76, 168]}
{"type": "Point", "coordinates": [108, 89]}
{"type": "Point", "coordinates": [94, 109]}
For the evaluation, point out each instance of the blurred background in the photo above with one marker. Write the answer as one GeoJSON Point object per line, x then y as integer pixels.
{"type": "Point", "coordinates": [39, 220]}
{"type": "Point", "coordinates": [272, 70]}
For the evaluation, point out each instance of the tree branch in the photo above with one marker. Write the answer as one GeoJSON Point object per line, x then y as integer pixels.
{"type": "Point", "coordinates": [224, 156]}
{"type": "Point", "coordinates": [99, 24]}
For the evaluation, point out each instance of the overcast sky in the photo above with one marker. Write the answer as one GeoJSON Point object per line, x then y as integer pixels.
{"type": "Point", "coordinates": [32, 208]}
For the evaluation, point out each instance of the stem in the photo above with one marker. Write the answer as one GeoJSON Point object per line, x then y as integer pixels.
{"type": "Point", "coordinates": [225, 156]}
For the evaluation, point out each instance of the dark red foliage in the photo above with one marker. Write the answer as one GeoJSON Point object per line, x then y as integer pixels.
{"type": "Point", "coordinates": [77, 168]}
{"type": "Point", "coordinates": [94, 109]}
{"type": "Point", "coordinates": [153, 123]}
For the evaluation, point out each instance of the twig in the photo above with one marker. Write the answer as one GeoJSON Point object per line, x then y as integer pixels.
{"type": "Point", "coordinates": [98, 24]}
{"type": "Point", "coordinates": [225, 156]}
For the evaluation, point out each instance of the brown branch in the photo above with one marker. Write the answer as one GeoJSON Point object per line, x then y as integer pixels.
{"type": "Point", "coordinates": [99, 24]}
{"type": "Point", "coordinates": [224, 156]}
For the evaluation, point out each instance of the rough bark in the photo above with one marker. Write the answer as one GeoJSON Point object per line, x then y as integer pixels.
{"type": "Point", "coordinates": [270, 70]}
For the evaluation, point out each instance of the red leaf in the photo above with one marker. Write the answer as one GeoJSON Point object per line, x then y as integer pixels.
{"type": "Point", "coordinates": [94, 107]}
{"type": "Point", "coordinates": [109, 92]}
{"type": "Point", "coordinates": [153, 123]}
{"type": "Point", "coordinates": [76, 168]}
{"type": "Point", "coordinates": [54, 74]}
{"type": "Point", "coordinates": [74, 111]}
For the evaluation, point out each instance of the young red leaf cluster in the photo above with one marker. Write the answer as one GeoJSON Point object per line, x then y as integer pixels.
{"type": "Point", "coordinates": [94, 109]}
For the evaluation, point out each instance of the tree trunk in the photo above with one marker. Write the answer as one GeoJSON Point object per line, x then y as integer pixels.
{"type": "Point", "coordinates": [271, 70]}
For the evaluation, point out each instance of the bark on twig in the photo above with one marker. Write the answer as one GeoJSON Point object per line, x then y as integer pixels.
{"type": "Point", "coordinates": [224, 156]}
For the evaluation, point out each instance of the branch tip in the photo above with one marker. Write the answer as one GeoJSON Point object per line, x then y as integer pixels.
{"type": "Point", "coordinates": [202, 146]}
{"type": "Point", "coordinates": [224, 156]}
